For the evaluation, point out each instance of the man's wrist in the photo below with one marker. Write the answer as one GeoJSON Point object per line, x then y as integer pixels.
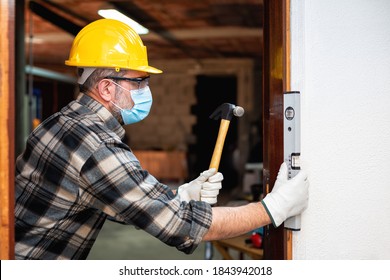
{"type": "Point", "coordinates": [271, 220]}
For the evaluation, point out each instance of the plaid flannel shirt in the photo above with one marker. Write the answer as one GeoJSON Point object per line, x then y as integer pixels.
{"type": "Point", "coordinates": [76, 172]}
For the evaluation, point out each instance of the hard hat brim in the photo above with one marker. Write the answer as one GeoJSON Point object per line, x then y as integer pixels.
{"type": "Point", "coordinates": [149, 69]}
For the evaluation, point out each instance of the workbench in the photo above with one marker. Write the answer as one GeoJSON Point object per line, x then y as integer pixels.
{"type": "Point", "coordinates": [225, 247]}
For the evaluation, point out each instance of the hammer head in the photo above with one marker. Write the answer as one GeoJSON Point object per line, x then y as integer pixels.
{"type": "Point", "coordinates": [226, 111]}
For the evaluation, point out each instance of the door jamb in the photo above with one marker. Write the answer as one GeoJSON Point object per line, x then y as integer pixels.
{"type": "Point", "coordinates": [276, 80]}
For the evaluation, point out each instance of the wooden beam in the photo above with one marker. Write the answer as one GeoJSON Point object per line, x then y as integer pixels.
{"type": "Point", "coordinates": [208, 33]}
{"type": "Point", "coordinates": [7, 128]}
{"type": "Point", "coordinates": [54, 18]}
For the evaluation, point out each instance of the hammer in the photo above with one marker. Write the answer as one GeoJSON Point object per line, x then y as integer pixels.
{"type": "Point", "coordinates": [224, 112]}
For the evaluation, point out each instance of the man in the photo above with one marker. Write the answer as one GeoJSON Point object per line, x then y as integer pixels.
{"type": "Point", "coordinates": [76, 172]}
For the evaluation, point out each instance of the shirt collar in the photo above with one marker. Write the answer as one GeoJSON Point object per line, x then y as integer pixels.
{"type": "Point", "coordinates": [110, 121]}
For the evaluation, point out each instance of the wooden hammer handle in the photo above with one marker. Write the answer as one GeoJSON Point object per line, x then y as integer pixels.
{"type": "Point", "coordinates": [216, 158]}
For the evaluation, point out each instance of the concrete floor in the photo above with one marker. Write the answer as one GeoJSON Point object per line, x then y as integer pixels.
{"type": "Point", "coordinates": [121, 242]}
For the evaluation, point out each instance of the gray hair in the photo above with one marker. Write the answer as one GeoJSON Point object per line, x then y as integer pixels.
{"type": "Point", "coordinates": [97, 75]}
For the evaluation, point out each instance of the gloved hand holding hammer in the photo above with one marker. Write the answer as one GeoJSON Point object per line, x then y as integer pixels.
{"type": "Point", "coordinates": [204, 188]}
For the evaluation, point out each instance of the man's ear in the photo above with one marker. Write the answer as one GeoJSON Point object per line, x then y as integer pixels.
{"type": "Point", "coordinates": [106, 89]}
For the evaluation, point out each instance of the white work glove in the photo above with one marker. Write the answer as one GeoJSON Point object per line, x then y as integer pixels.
{"type": "Point", "coordinates": [204, 188]}
{"type": "Point", "coordinates": [288, 198]}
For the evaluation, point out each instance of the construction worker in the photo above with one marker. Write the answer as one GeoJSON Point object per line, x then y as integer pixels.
{"type": "Point", "coordinates": [76, 172]}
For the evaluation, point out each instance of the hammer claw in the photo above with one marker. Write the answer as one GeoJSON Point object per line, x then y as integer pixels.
{"type": "Point", "coordinates": [216, 114]}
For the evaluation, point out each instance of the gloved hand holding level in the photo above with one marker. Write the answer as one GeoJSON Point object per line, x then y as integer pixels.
{"type": "Point", "coordinates": [288, 198]}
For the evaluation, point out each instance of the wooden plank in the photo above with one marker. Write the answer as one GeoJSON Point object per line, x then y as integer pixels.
{"type": "Point", "coordinates": [7, 123]}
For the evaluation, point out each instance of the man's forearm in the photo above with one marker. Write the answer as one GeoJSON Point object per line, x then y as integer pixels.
{"type": "Point", "coordinates": [229, 222]}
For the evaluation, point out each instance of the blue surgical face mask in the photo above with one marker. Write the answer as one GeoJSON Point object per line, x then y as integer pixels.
{"type": "Point", "coordinates": [142, 99]}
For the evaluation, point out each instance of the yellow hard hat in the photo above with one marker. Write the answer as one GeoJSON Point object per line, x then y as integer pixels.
{"type": "Point", "coordinates": [109, 43]}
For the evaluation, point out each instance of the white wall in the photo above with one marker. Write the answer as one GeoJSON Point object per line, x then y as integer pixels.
{"type": "Point", "coordinates": [341, 65]}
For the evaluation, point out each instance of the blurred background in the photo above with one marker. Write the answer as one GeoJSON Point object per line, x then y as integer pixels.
{"type": "Point", "coordinates": [210, 52]}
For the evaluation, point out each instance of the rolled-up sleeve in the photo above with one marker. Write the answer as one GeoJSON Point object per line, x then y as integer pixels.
{"type": "Point", "coordinates": [113, 181]}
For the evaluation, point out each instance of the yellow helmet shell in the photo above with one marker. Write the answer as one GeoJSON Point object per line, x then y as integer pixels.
{"type": "Point", "coordinates": [109, 43]}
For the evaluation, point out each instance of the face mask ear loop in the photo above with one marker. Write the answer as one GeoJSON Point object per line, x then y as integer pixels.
{"type": "Point", "coordinates": [116, 105]}
{"type": "Point", "coordinates": [122, 89]}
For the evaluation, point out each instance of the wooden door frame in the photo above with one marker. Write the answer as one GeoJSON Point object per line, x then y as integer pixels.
{"type": "Point", "coordinates": [276, 80]}
{"type": "Point", "coordinates": [7, 128]}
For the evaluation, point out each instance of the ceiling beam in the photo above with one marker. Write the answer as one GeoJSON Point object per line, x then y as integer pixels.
{"type": "Point", "coordinates": [139, 15]}
{"type": "Point", "coordinates": [67, 11]}
{"type": "Point", "coordinates": [209, 33]}
{"type": "Point", "coordinates": [179, 34]}
{"type": "Point", "coordinates": [54, 18]}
